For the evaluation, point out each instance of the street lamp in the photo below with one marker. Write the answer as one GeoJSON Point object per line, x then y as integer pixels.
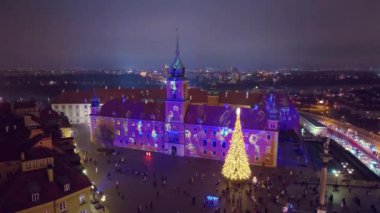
{"type": "Point", "coordinates": [103, 198]}
{"type": "Point", "coordinates": [344, 164]}
{"type": "Point", "coordinates": [350, 171]}
{"type": "Point", "coordinates": [336, 173]}
{"type": "Point", "coordinates": [325, 159]}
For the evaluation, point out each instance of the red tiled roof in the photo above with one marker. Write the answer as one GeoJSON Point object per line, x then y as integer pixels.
{"type": "Point", "coordinates": [123, 108]}
{"type": "Point", "coordinates": [240, 97]}
{"type": "Point", "coordinates": [197, 95]}
{"type": "Point", "coordinates": [105, 95]}
{"type": "Point", "coordinates": [15, 194]}
{"type": "Point", "coordinates": [17, 132]}
{"type": "Point", "coordinates": [24, 104]}
{"type": "Point", "coordinates": [38, 153]}
{"type": "Point", "coordinates": [12, 151]}
{"type": "Point", "coordinates": [108, 94]}
{"type": "Point", "coordinates": [226, 116]}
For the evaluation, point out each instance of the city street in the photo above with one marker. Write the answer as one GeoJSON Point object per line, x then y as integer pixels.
{"type": "Point", "coordinates": [162, 183]}
{"type": "Point", "coordinates": [366, 135]}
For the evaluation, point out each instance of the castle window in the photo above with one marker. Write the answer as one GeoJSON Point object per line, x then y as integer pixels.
{"type": "Point", "coordinates": [223, 144]}
{"type": "Point", "coordinates": [204, 152]}
{"type": "Point", "coordinates": [214, 153]}
{"type": "Point", "coordinates": [204, 142]}
{"type": "Point", "coordinates": [268, 137]}
{"type": "Point", "coordinates": [63, 206]}
{"type": "Point", "coordinates": [214, 143]}
{"type": "Point", "coordinates": [66, 187]}
{"type": "Point", "coordinates": [35, 197]}
{"type": "Point", "coordinates": [205, 130]}
{"type": "Point", "coordinates": [214, 132]}
{"type": "Point", "coordinates": [82, 199]}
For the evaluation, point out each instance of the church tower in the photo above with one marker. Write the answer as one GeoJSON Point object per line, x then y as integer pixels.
{"type": "Point", "coordinates": [176, 104]}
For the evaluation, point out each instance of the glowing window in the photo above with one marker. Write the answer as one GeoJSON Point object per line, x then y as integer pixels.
{"type": "Point", "coordinates": [66, 187]}
{"type": "Point", "coordinates": [63, 206]}
{"type": "Point", "coordinates": [35, 197]}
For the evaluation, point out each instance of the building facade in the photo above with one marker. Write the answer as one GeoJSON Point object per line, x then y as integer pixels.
{"type": "Point", "coordinates": [313, 126]}
{"type": "Point", "coordinates": [77, 113]}
{"type": "Point", "coordinates": [177, 125]}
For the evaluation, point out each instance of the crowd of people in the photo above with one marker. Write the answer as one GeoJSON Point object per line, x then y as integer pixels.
{"type": "Point", "coordinates": [268, 189]}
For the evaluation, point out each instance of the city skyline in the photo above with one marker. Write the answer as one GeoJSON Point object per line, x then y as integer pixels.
{"type": "Point", "coordinates": [245, 34]}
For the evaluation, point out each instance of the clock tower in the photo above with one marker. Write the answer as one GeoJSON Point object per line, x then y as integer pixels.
{"type": "Point", "coordinates": [177, 101]}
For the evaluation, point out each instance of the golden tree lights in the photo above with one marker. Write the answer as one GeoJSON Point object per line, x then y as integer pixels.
{"type": "Point", "coordinates": [236, 165]}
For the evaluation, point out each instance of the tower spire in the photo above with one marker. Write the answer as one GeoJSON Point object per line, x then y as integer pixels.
{"type": "Point", "coordinates": [177, 47]}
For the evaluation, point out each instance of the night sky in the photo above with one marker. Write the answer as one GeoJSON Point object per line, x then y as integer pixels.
{"type": "Point", "coordinates": [96, 34]}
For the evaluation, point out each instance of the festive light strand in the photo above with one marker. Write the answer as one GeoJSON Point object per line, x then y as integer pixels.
{"type": "Point", "coordinates": [236, 165]}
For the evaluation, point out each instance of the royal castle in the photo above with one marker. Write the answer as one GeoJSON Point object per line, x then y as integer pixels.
{"type": "Point", "coordinates": [187, 121]}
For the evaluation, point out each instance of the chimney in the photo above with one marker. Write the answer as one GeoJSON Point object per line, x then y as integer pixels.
{"type": "Point", "coordinates": [22, 156]}
{"type": "Point", "coordinates": [50, 173]}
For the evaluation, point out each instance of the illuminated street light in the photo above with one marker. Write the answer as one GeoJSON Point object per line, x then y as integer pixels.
{"type": "Point", "coordinates": [103, 198]}
{"type": "Point", "coordinates": [350, 171]}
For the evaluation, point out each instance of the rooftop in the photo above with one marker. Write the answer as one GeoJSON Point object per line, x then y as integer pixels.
{"type": "Point", "coordinates": [15, 195]}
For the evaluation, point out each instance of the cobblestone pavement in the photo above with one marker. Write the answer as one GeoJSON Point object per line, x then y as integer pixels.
{"type": "Point", "coordinates": [162, 183]}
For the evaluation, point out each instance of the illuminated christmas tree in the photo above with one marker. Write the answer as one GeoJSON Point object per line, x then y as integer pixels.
{"type": "Point", "coordinates": [236, 165]}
